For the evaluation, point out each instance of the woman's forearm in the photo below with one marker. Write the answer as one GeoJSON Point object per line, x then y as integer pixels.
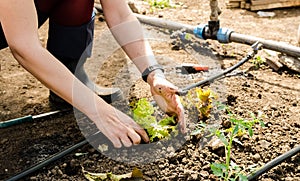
{"type": "Point", "coordinates": [54, 75]}
{"type": "Point", "coordinates": [129, 33]}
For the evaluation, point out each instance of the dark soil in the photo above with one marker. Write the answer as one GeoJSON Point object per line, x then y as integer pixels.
{"type": "Point", "coordinates": [275, 94]}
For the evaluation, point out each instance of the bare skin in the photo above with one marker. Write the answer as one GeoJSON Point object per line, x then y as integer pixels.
{"type": "Point", "coordinates": [19, 21]}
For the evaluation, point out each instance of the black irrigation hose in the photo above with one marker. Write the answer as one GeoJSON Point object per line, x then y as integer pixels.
{"type": "Point", "coordinates": [256, 46]}
{"type": "Point", "coordinates": [53, 158]}
{"type": "Point", "coordinates": [47, 161]}
{"type": "Point", "coordinates": [274, 163]}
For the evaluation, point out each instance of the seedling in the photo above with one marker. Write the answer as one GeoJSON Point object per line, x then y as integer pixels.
{"type": "Point", "coordinates": [161, 4]}
{"type": "Point", "coordinates": [201, 100]}
{"type": "Point", "coordinates": [258, 61]}
{"type": "Point", "coordinates": [229, 170]}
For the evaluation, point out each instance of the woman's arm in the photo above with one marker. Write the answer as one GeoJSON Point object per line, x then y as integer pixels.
{"type": "Point", "coordinates": [128, 32]}
{"type": "Point", "coordinates": [19, 21]}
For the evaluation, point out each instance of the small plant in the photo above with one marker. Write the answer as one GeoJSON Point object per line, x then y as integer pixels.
{"type": "Point", "coordinates": [229, 170]}
{"type": "Point", "coordinates": [258, 61]}
{"type": "Point", "coordinates": [201, 100]}
{"type": "Point", "coordinates": [160, 4]}
{"type": "Point", "coordinates": [143, 114]}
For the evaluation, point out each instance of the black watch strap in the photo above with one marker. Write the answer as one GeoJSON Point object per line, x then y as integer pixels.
{"type": "Point", "coordinates": [150, 69]}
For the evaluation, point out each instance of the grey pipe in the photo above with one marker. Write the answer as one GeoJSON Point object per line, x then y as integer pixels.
{"type": "Point", "coordinates": [233, 36]}
{"type": "Point", "coordinates": [162, 23]}
{"type": "Point", "coordinates": [268, 44]}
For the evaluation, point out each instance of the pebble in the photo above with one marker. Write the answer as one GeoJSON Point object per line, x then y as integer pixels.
{"type": "Point", "coordinates": [204, 174]}
{"type": "Point", "coordinates": [53, 171]}
{"type": "Point", "coordinates": [256, 157]}
{"type": "Point", "coordinates": [264, 143]}
{"type": "Point", "coordinates": [59, 172]}
{"type": "Point", "coordinates": [4, 140]}
{"type": "Point", "coordinates": [33, 178]}
{"type": "Point", "coordinates": [194, 176]}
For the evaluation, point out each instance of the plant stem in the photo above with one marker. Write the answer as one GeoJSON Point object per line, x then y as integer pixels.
{"type": "Point", "coordinates": [228, 156]}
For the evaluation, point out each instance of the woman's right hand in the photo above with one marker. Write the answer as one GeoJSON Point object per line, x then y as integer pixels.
{"type": "Point", "coordinates": [119, 128]}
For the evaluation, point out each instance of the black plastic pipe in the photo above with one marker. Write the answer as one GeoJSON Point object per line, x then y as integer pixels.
{"type": "Point", "coordinates": [256, 46]}
{"type": "Point", "coordinates": [55, 157]}
{"type": "Point", "coordinates": [274, 163]}
{"type": "Point", "coordinates": [29, 118]}
{"type": "Point", "coordinates": [47, 161]}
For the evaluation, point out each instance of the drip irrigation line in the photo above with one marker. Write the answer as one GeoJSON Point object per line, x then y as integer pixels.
{"type": "Point", "coordinates": [274, 163]}
{"type": "Point", "coordinates": [47, 162]}
{"type": "Point", "coordinates": [256, 46]}
{"type": "Point", "coordinates": [51, 159]}
{"type": "Point", "coordinates": [29, 118]}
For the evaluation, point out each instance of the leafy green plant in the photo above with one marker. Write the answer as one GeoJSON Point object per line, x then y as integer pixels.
{"type": "Point", "coordinates": [258, 61]}
{"type": "Point", "coordinates": [161, 4]}
{"type": "Point", "coordinates": [143, 114]}
{"type": "Point", "coordinates": [229, 170]}
{"type": "Point", "coordinates": [201, 100]}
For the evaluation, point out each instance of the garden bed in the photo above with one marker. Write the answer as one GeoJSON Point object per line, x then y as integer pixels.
{"type": "Point", "coordinates": [275, 94]}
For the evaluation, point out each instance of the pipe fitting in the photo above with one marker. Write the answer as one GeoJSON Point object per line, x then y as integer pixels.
{"type": "Point", "coordinates": [223, 35]}
{"type": "Point", "coordinates": [212, 31]}
{"type": "Point", "coordinates": [199, 31]}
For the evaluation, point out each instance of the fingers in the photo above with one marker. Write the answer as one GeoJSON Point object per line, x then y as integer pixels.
{"type": "Point", "coordinates": [143, 134]}
{"type": "Point", "coordinates": [130, 134]}
{"type": "Point", "coordinates": [180, 115]}
{"type": "Point", "coordinates": [126, 141]}
{"type": "Point", "coordinates": [115, 140]}
{"type": "Point", "coordinates": [181, 121]}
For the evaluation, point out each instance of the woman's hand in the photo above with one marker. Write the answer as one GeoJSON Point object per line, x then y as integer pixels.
{"type": "Point", "coordinates": [119, 128]}
{"type": "Point", "coordinates": [166, 96]}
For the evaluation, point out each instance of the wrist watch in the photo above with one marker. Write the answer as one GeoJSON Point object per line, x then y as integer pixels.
{"type": "Point", "coordinates": [150, 69]}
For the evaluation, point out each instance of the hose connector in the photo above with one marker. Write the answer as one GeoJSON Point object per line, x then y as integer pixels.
{"type": "Point", "coordinates": [212, 31]}
{"type": "Point", "coordinates": [199, 31]}
{"type": "Point", "coordinates": [223, 35]}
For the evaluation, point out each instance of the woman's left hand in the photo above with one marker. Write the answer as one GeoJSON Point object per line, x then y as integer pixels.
{"type": "Point", "coordinates": [166, 96]}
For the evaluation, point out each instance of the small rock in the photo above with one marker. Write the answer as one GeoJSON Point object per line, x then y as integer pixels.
{"type": "Point", "coordinates": [204, 174]}
{"type": "Point", "coordinates": [264, 14]}
{"type": "Point", "coordinates": [59, 172]}
{"type": "Point", "coordinates": [73, 163]}
{"type": "Point", "coordinates": [170, 149]}
{"type": "Point", "coordinates": [53, 171]}
{"type": "Point", "coordinates": [184, 160]}
{"type": "Point", "coordinates": [194, 176]}
{"type": "Point", "coordinates": [64, 165]}
{"type": "Point", "coordinates": [264, 143]}
{"type": "Point", "coordinates": [256, 157]}
{"type": "Point", "coordinates": [215, 144]}
{"type": "Point", "coordinates": [185, 7]}
{"type": "Point", "coordinates": [33, 178]}
{"type": "Point", "coordinates": [291, 62]}
{"type": "Point", "coordinates": [3, 141]}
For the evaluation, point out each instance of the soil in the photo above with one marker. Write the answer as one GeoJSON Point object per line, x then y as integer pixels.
{"type": "Point", "coordinates": [274, 93]}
